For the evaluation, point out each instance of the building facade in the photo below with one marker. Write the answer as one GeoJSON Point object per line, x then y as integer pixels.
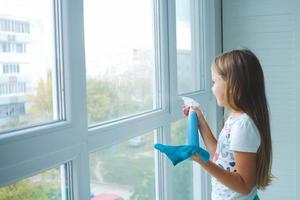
{"type": "Point", "coordinates": [14, 39]}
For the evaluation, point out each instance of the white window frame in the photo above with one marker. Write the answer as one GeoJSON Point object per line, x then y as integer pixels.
{"type": "Point", "coordinates": [27, 152]}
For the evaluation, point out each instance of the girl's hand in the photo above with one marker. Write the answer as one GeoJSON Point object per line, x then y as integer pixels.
{"type": "Point", "coordinates": [199, 112]}
{"type": "Point", "coordinates": [186, 109]}
{"type": "Point", "coordinates": [197, 159]}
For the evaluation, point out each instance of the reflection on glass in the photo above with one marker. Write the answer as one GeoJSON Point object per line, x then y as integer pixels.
{"type": "Point", "coordinates": [124, 171]}
{"type": "Point", "coordinates": [120, 58]}
{"type": "Point", "coordinates": [48, 185]}
{"type": "Point", "coordinates": [187, 72]}
{"type": "Point", "coordinates": [27, 64]}
{"type": "Point", "coordinates": [182, 180]}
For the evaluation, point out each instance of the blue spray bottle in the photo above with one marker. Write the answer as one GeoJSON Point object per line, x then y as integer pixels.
{"type": "Point", "coordinates": [192, 125]}
{"type": "Point", "coordinates": [193, 135]}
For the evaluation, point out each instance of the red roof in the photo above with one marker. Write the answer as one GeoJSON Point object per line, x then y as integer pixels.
{"type": "Point", "coordinates": [107, 197]}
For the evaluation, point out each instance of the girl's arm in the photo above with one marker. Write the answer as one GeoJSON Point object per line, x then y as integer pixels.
{"type": "Point", "coordinates": [206, 134]}
{"type": "Point", "coordinates": [242, 180]}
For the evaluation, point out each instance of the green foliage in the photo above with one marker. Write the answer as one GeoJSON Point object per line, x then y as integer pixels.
{"type": "Point", "coordinates": [106, 101]}
{"type": "Point", "coordinates": [136, 173]}
{"type": "Point", "coordinates": [24, 190]}
{"type": "Point", "coordinates": [182, 173]}
{"type": "Point", "coordinates": [99, 101]}
{"type": "Point", "coordinates": [45, 186]}
{"type": "Point", "coordinates": [41, 108]}
{"type": "Point", "coordinates": [128, 166]}
{"type": "Point", "coordinates": [178, 131]}
{"type": "Point", "coordinates": [146, 189]}
{"type": "Point", "coordinates": [182, 185]}
{"type": "Point", "coordinates": [126, 171]}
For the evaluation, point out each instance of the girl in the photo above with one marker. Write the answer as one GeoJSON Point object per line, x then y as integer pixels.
{"type": "Point", "coordinates": [242, 156]}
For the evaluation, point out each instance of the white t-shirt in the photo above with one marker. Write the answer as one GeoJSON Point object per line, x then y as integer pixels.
{"type": "Point", "coordinates": [238, 134]}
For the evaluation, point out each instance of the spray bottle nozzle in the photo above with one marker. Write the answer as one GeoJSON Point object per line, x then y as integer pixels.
{"type": "Point", "coordinates": [190, 102]}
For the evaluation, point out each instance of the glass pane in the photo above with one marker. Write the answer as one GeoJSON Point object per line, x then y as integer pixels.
{"type": "Point", "coordinates": [49, 185]}
{"type": "Point", "coordinates": [187, 71]}
{"type": "Point", "coordinates": [120, 58]}
{"type": "Point", "coordinates": [124, 171]}
{"type": "Point", "coordinates": [27, 64]}
{"type": "Point", "coordinates": [182, 177]}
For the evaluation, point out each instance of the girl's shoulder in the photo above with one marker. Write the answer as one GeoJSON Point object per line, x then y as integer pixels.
{"type": "Point", "coordinates": [241, 121]}
{"type": "Point", "coordinates": [242, 118]}
{"type": "Point", "coordinates": [244, 135]}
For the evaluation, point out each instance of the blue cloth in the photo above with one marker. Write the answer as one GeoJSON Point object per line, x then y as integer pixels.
{"type": "Point", "coordinates": [180, 153]}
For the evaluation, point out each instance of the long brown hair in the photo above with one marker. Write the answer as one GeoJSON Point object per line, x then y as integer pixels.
{"type": "Point", "coordinates": [245, 92]}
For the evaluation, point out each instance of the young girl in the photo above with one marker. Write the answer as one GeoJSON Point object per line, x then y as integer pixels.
{"type": "Point", "coordinates": [242, 156]}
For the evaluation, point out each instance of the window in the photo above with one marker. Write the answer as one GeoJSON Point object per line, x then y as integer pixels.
{"type": "Point", "coordinates": [120, 58]}
{"type": "Point", "coordinates": [20, 48]}
{"type": "Point", "coordinates": [11, 47]}
{"type": "Point", "coordinates": [30, 68]}
{"type": "Point", "coordinates": [11, 68]}
{"type": "Point", "coordinates": [10, 25]}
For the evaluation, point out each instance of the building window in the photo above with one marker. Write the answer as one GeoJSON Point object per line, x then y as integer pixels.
{"type": "Point", "coordinates": [17, 26]}
{"type": "Point", "coordinates": [11, 47]}
{"type": "Point", "coordinates": [12, 110]}
{"type": "Point", "coordinates": [11, 68]}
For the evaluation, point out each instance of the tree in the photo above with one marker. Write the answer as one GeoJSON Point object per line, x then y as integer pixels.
{"type": "Point", "coordinates": [44, 186]}
{"type": "Point", "coordinates": [146, 189]}
{"type": "Point", "coordinates": [100, 99]}
{"type": "Point", "coordinates": [105, 101]}
{"type": "Point", "coordinates": [41, 103]}
{"type": "Point", "coordinates": [22, 190]}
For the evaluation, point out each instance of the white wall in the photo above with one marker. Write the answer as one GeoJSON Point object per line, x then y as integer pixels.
{"type": "Point", "coordinates": [269, 28]}
{"type": "Point", "coordinates": [297, 24]}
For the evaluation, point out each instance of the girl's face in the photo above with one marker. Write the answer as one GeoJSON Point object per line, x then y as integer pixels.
{"type": "Point", "coordinates": [219, 88]}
